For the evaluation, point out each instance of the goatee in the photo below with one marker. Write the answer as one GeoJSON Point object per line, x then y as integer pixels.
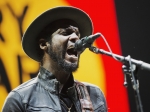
{"type": "Point", "coordinates": [58, 56]}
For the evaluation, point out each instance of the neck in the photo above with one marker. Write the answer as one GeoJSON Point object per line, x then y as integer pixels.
{"type": "Point", "coordinates": [61, 75]}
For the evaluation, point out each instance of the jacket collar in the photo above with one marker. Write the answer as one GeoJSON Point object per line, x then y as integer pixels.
{"type": "Point", "coordinates": [50, 83]}
{"type": "Point", "coordinates": [48, 80]}
{"type": "Point", "coordinates": [45, 74]}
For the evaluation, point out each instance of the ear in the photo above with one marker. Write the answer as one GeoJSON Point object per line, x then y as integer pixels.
{"type": "Point", "coordinates": [43, 44]}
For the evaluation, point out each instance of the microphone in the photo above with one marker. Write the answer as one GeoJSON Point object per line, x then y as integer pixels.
{"type": "Point", "coordinates": [85, 42]}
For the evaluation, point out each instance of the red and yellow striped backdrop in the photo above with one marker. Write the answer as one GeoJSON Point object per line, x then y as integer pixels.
{"type": "Point", "coordinates": [103, 71]}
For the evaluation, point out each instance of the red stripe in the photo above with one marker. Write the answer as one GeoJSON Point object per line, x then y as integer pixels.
{"type": "Point", "coordinates": [103, 15]}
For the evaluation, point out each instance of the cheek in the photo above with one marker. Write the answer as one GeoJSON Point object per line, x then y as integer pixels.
{"type": "Point", "coordinates": [58, 49]}
{"type": "Point", "coordinates": [59, 40]}
{"type": "Point", "coordinates": [58, 46]}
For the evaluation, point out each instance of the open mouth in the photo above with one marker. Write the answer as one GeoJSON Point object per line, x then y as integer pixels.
{"type": "Point", "coordinates": [72, 52]}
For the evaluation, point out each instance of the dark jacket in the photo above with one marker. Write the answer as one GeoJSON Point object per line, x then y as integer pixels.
{"type": "Point", "coordinates": [41, 94]}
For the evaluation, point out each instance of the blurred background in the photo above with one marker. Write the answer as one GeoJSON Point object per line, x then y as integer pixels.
{"type": "Point", "coordinates": [124, 24]}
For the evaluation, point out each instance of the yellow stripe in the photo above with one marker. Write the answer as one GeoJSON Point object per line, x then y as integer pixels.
{"type": "Point", "coordinates": [91, 69]}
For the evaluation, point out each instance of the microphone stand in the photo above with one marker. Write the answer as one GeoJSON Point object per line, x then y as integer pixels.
{"type": "Point", "coordinates": [140, 64]}
{"type": "Point", "coordinates": [129, 69]}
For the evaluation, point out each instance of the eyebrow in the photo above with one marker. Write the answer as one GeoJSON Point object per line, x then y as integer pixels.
{"type": "Point", "coordinates": [73, 29]}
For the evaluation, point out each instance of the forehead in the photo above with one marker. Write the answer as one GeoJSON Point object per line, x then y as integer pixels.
{"type": "Point", "coordinates": [69, 30]}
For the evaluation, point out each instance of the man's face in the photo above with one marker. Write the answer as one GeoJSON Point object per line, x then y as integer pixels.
{"type": "Point", "coordinates": [61, 48]}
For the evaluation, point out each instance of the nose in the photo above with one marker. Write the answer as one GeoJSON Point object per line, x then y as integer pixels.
{"type": "Point", "coordinates": [73, 37]}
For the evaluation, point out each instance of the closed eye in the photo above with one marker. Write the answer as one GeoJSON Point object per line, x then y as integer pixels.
{"type": "Point", "coordinates": [65, 32]}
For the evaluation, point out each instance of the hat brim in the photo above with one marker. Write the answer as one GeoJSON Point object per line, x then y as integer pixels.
{"type": "Point", "coordinates": [30, 36]}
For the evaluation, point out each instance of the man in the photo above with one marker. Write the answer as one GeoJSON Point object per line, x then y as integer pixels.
{"type": "Point", "coordinates": [50, 40]}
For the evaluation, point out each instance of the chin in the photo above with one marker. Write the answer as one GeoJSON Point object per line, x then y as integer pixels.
{"type": "Point", "coordinates": [70, 67]}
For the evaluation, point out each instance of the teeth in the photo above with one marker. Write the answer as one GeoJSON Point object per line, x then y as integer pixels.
{"type": "Point", "coordinates": [70, 47]}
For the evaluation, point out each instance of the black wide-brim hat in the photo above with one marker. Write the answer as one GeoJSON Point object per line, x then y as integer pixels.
{"type": "Point", "coordinates": [29, 40]}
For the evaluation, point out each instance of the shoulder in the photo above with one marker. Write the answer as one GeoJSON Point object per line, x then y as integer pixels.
{"type": "Point", "coordinates": [26, 85]}
{"type": "Point", "coordinates": [16, 98]}
{"type": "Point", "coordinates": [93, 89]}
{"type": "Point", "coordinates": [97, 97]}
{"type": "Point", "coordinates": [24, 89]}
{"type": "Point", "coordinates": [90, 85]}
